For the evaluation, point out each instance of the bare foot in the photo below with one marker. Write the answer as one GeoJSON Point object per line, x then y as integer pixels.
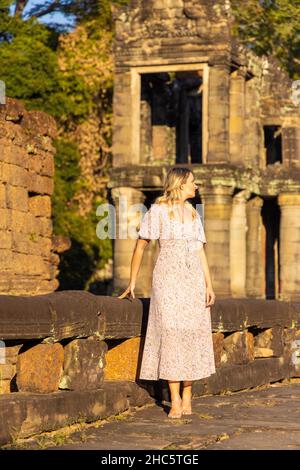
{"type": "Point", "coordinates": [176, 409]}
{"type": "Point", "coordinates": [186, 407]}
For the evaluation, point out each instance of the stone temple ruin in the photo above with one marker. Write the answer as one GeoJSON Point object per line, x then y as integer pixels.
{"type": "Point", "coordinates": [187, 93]}
{"type": "Point", "coordinates": [28, 249]}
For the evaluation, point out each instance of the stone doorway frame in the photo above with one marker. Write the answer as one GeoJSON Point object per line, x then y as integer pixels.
{"type": "Point", "coordinates": [135, 90]}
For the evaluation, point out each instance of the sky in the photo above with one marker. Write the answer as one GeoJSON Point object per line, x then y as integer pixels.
{"type": "Point", "coordinates": [52, 17]}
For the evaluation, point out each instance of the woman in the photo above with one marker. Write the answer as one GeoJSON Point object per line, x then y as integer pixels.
{"type": "Point", "coordinates": [178, 343]}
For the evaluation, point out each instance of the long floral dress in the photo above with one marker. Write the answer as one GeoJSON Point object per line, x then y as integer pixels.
{"type": "Point", "coordinates": [178, 343]}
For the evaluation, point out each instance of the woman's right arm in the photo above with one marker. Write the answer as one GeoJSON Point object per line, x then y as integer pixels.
{"type": "Point", "coordinates": [135, 266]}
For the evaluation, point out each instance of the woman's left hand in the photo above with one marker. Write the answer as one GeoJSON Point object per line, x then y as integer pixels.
{"type": "Point", "coordinates": [210, 296]}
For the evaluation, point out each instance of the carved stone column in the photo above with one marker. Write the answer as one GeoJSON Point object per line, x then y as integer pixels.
{"type": "Point", "coordinates": [291, 144]}
{"type": "Point", "coordinates": [218, 114]}
{"type": "Point", "coordinates": [289, 246]}
{"type": "Point", "coordinates": [124, 247]}
{"type": "Point", "coordinates": [237, 117]}
{"type": "Point", "coordinates": [217, 212]}
{"type": "Point", "coordinates": [253, 128]}
{"type": "Point", "coordinates": [126, 123]}
{"type": "Point", "coordinates": [238, 245]}
{"type": "Point", "coordinates": [255, 269]}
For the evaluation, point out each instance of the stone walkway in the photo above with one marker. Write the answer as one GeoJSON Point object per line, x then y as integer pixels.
{"type": "Point", "coordinates": [264, 418]}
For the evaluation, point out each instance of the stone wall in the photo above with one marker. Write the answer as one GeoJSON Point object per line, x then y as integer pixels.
{"type": "Point", "coordinates": [73, 356]}
{"type": "Point", "coordinates": [27, 263]}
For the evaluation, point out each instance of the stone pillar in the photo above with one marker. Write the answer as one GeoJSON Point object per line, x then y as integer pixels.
{"type": "Point", "coordinates": [255, 269]}
{"type": "Point", "coordinates": [126, 125]}
{"type": "Point", "coordinates": [238, 246]}
{"type": "Point", "coordinates": [218, 114]}
{"type": "Point", "coordinates": [289, 278]}
{"type": "Point", "coordinates": [123, 248]}
{"type": "Point", "coordinates": [237, 117]}
{"type": "Point", "coordinates": [291, 146]}
{"type": "Point", "coordinates": [217, 212]}
{"type": "Point", "coordinates": [253, 155]}
{"type": "Point", "coordinates": [145, 132]}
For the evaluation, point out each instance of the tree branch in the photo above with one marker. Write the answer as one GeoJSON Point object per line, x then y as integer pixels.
{"type": "Point", "coordinates": [20, 5]}
{"type": "Point", "coordinates": [49, 9]}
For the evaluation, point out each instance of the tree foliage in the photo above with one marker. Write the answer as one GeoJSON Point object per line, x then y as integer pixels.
{"type": "Point", "coordinates": [270, 27]}
{"type": "Point", "coordinates": [70, 76]}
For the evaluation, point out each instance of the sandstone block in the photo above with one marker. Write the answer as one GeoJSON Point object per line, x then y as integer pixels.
{"type": "Point", "coordinates": [218, 347]}
{"type": "Point", "coordinates": [40, 184]}
{"type": "Point", "coordinates": [5, 219]}
{"type": "Point", "coordinates": [270, 339]}
{"type": "Point", "coordinates": [5, 239]}
{"type": "Point", "coordinates": [40, 206]}
{"type": "Point", "coordinates": [263, 352]}
{"type": "Point", "coordinates": [238, 348]}
{"type": "Point", "coordinates": [47, 167]}
{"type": "Point", "coordinates": [17, 198]}
{"type": "Point", "coordinates": [39, 123]}
{"type": "Point", "coordinates": [84, 361]}
{"type": "Point", "coordinates": [11, 353]}
{"type": "Point", "coordinates": [4, 387]}
{"type": "Point", "coordinates": [13, 154]}
{"type": "Point", "coordinates": [2, 196]}
{"type": "Point", "coordinates": [39, 369]}
{"type": "Point", "coordinates": [122, 360]}
{"type": "Point", "coordinates": [15, 175]}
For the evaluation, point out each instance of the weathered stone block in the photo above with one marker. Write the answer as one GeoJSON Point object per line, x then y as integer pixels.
{"type": "Point", "coordinates": [40, 184]}
{"type": "Point", "coordinates": [238, 348]}
{"type": "Point", "coordinates": [34, 163]}
{"type": "Point", "coordinates": [2, 196]}
{"type": "Point", "coordinates": [5, 239]}
{"type": "Point", "coordinates": [47, 168]}
{"type": "Point", "coordinates": [11, 353]}
{"type": "Point", "coordinates": [13, 154]}
{"type": "Point", "coordinates": [39, 123]}
{"type": "Point", "coordinates": [7, 371]}
{"type": "Point", "coordinates": [5, 259]}
{"type": "Point", "coordinates": [39, 369]}
{"type": "Point", "coordinates": [263, 352]}
{"type": "Point", "coordinates": [21, 221]}
{"type": "Point", "coordinates": [5, 281]}
{"type": "Point", "coordinates": [5, 219]}
{"type": "Point", "coordinates": [4, 387]}
{"type": "Point", "coordinates": [270, 339]}
{"type": "Point", "coordinates": [16, 198]}
{"type": "Point", "coordinates": [40, 206]}
{"type": "Point", "coordinates": [218, 347]}
{"type": "Point", "coordinates": [44, 226]}
{"type": "Point", "coordinates": [15, 175]}
{"type": "Point", "coordinates": [122, 360]}
{"type": "Point", "coordinates": [84, 361]}
{"type": "Point", "coordinates": [28, 264]}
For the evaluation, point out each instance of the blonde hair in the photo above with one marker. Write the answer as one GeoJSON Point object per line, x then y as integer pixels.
{"type": "Point", "coordinates": [171, 191]}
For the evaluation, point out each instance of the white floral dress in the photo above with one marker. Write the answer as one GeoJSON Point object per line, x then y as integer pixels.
{"type": "Point", "coordinates": [178, 343]}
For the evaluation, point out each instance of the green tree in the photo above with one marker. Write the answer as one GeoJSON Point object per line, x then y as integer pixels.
{"type": "Point", "coordinates": [34, 68]}
{"type": "Point", "coordinates": [270, 27]}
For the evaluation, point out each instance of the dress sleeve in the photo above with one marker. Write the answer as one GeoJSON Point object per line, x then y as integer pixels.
{"type": "Point", "coordinates": [150, 224]}
{"type": "Point", "coordinates": [200, 235]}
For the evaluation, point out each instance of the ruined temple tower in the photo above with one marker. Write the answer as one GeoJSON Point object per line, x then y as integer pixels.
{"type": "Point", "coordinates": [187, 93]}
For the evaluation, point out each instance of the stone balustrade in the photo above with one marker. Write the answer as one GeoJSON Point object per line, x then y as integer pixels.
{"type": "Point", "coordinates": [72, 356]}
